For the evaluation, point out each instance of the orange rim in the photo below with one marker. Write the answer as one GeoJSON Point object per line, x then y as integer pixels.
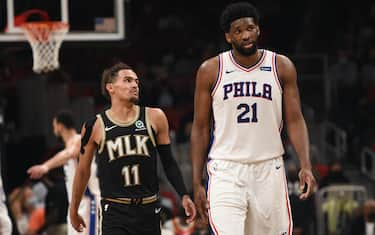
{"type": "Point", "coordinates": [40, 30]}
{"type": "Point", "coordinates": [53, 25]}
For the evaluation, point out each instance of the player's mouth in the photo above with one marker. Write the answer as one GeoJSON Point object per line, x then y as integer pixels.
{"type": "Point", "coordinates": [248, 45]}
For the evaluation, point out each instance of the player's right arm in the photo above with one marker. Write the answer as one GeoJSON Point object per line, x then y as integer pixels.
{"type": "Point", "coordinates": [59, 159]}
{"type": "Point", "coordinates": [82, 173]}
{"type": "Point", "coordinates": [200, 132]}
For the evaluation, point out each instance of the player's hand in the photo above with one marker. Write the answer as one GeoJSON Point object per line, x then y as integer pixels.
{"type": "Point", "coordinates": [190, 209]}
{"type": "Point", "coordinates": [77, 221]}
{"type": "Point", "coordinates": [202, 205]}
{"type": "Point", "coordinates": [306, 177]}
{"type": "Point", "coordinates": [37, 171]}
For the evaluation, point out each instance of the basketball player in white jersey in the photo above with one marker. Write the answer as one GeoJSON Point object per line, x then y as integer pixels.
{"type": "Point", "coordinates": [63, 126]}
{"type": "Point", "coordinates": [247, 89]}
{"type": "Point", "coordinates": [5, 222]}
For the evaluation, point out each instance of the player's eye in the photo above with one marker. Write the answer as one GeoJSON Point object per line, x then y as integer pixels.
{"type": "Point", "coordinates": [251, 28]}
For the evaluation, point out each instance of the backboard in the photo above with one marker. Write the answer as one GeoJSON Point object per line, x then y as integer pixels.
{"type": "Point", "coordinates": [89, 20]}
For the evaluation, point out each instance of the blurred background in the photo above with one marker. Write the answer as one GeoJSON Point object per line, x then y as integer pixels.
{"type": "Point", "coordinates": [332, 44]}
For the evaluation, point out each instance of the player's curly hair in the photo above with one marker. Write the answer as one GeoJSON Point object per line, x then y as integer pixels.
{"type": "Point", "coordinates": [110, 74]}
{"type": "Point", "coordinates": [236, 11]}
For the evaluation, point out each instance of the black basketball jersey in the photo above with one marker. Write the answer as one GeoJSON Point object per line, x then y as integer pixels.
{"type": "Point", "coordinates": [126, 157]}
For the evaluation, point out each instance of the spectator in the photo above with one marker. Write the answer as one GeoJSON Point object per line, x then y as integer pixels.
{"type": "Point", "coordinates": [344, 80]}
{"type": "Point", "coordinates": [335, 175]}
{"type": "Point", "coordinates": [364, 222]}
{"type": "Point", "coordinates": [29, 217]}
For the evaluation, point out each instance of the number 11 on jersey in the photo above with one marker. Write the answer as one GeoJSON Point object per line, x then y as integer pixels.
{"type": "Point", "coordinates": [131, 175]}
{"type": "Point", "coordinates": [243, 117]}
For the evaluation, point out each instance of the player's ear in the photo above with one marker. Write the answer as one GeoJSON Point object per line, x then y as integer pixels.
{"type": "Point", "coordinates": [258, 31]}
{"type": "Point", "coordinates": [227, 37]}
{"type": "Point", "coordinates": [109, 87]}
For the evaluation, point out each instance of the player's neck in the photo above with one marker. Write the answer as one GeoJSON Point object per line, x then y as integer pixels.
{"type": "Point", "coordinates": [247, 60]}
{"type": "Point", "coordinates": [123, 113]}
{"type": "Point", "coordinates": [68, 134]}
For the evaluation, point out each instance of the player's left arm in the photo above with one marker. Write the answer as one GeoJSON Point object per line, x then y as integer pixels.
{"type": "Point", "coordinates": [159, 124]}
{"type": "Point", "coordinates": [295, 123]}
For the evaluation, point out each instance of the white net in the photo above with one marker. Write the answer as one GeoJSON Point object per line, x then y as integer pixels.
{"type": "Point", "coordinates": [45, 39]}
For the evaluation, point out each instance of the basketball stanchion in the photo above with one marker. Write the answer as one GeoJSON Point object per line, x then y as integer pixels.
{"type": "Point", "coordinates": [45, 38]}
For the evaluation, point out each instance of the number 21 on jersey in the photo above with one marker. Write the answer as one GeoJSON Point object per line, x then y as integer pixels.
{"type": "Point", "coordinates": [248, 113]}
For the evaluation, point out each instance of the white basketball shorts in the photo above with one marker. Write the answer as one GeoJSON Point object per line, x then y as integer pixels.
{"type": "Point", "coordinates": [248, 198]}
{"type": "Point", "coordinates": [5, 223]}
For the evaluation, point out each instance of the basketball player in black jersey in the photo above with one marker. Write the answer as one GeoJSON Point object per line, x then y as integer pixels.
{"type": "Point", "coordinates": [126, 139]}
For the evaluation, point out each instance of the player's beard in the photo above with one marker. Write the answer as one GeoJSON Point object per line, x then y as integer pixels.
{"type": "Point", "coordinates": [246, 51]}
{"type": "Point", "coordinates": [134, 100]}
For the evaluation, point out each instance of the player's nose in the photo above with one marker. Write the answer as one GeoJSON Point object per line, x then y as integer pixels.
{"type": "Point", "coordinates": [134, 84]}
{"type": "Point", "coordinates": [245, 36]}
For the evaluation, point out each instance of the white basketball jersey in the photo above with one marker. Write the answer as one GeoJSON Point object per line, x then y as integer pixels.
{"type": "Point", "coordinates": [90, 201]}
{"type": "Point", "coordinates": [247, 110]}
{"type": "Point", "coordinates": [70, 169]}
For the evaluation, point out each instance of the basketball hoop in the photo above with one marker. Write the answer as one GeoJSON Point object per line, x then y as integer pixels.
{"type": "Point", "coordinates": [45, 38]}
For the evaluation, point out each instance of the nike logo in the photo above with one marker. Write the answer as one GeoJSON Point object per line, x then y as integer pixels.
{"type": "Point", "coordinates": [278, 167]}
{"type": "Point", "coordinates": [157, 210]}
{"type": "Point", "coordinates": [229, 71]}
{"type": "Point", "coordinates": [109, 128]}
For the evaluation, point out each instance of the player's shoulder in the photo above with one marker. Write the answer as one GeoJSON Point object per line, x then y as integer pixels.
{"type": "Point", "coordinates": [283, 61]}
{"type": "Point", "coordinates": [92, 126]}
{"type": "Point", "coordinates": [285, 68]}
{"type": "Point", "coordinates": [209, 64]}
{"type": "Point", "coordinates": [76, 138]}
{"type": "Point", "coordinates": [93, 121]}
{"type": "Point", "coordinates": [155, 112]}
{"type": "Point", "coordinates": [157, 117]}
{"type": "Point", "coordinates": [208, 71]}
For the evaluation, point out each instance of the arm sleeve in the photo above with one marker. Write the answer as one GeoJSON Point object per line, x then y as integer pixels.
{"type": "Point", "coordinates": [171, 169]}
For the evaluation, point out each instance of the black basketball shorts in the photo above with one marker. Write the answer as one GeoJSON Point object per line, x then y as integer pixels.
{"type": "Point", "coordinates": [129, 219]}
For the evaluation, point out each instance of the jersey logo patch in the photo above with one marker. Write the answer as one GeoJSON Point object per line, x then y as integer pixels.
{"type": "Point", "coordinates": [157, 210]}
{"type": "Point", "coordinates": [140, 125]}
{"type": "Point", "coordinates": [109, 128]}
{"type": "Point", "coordinates": [265, 68]}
